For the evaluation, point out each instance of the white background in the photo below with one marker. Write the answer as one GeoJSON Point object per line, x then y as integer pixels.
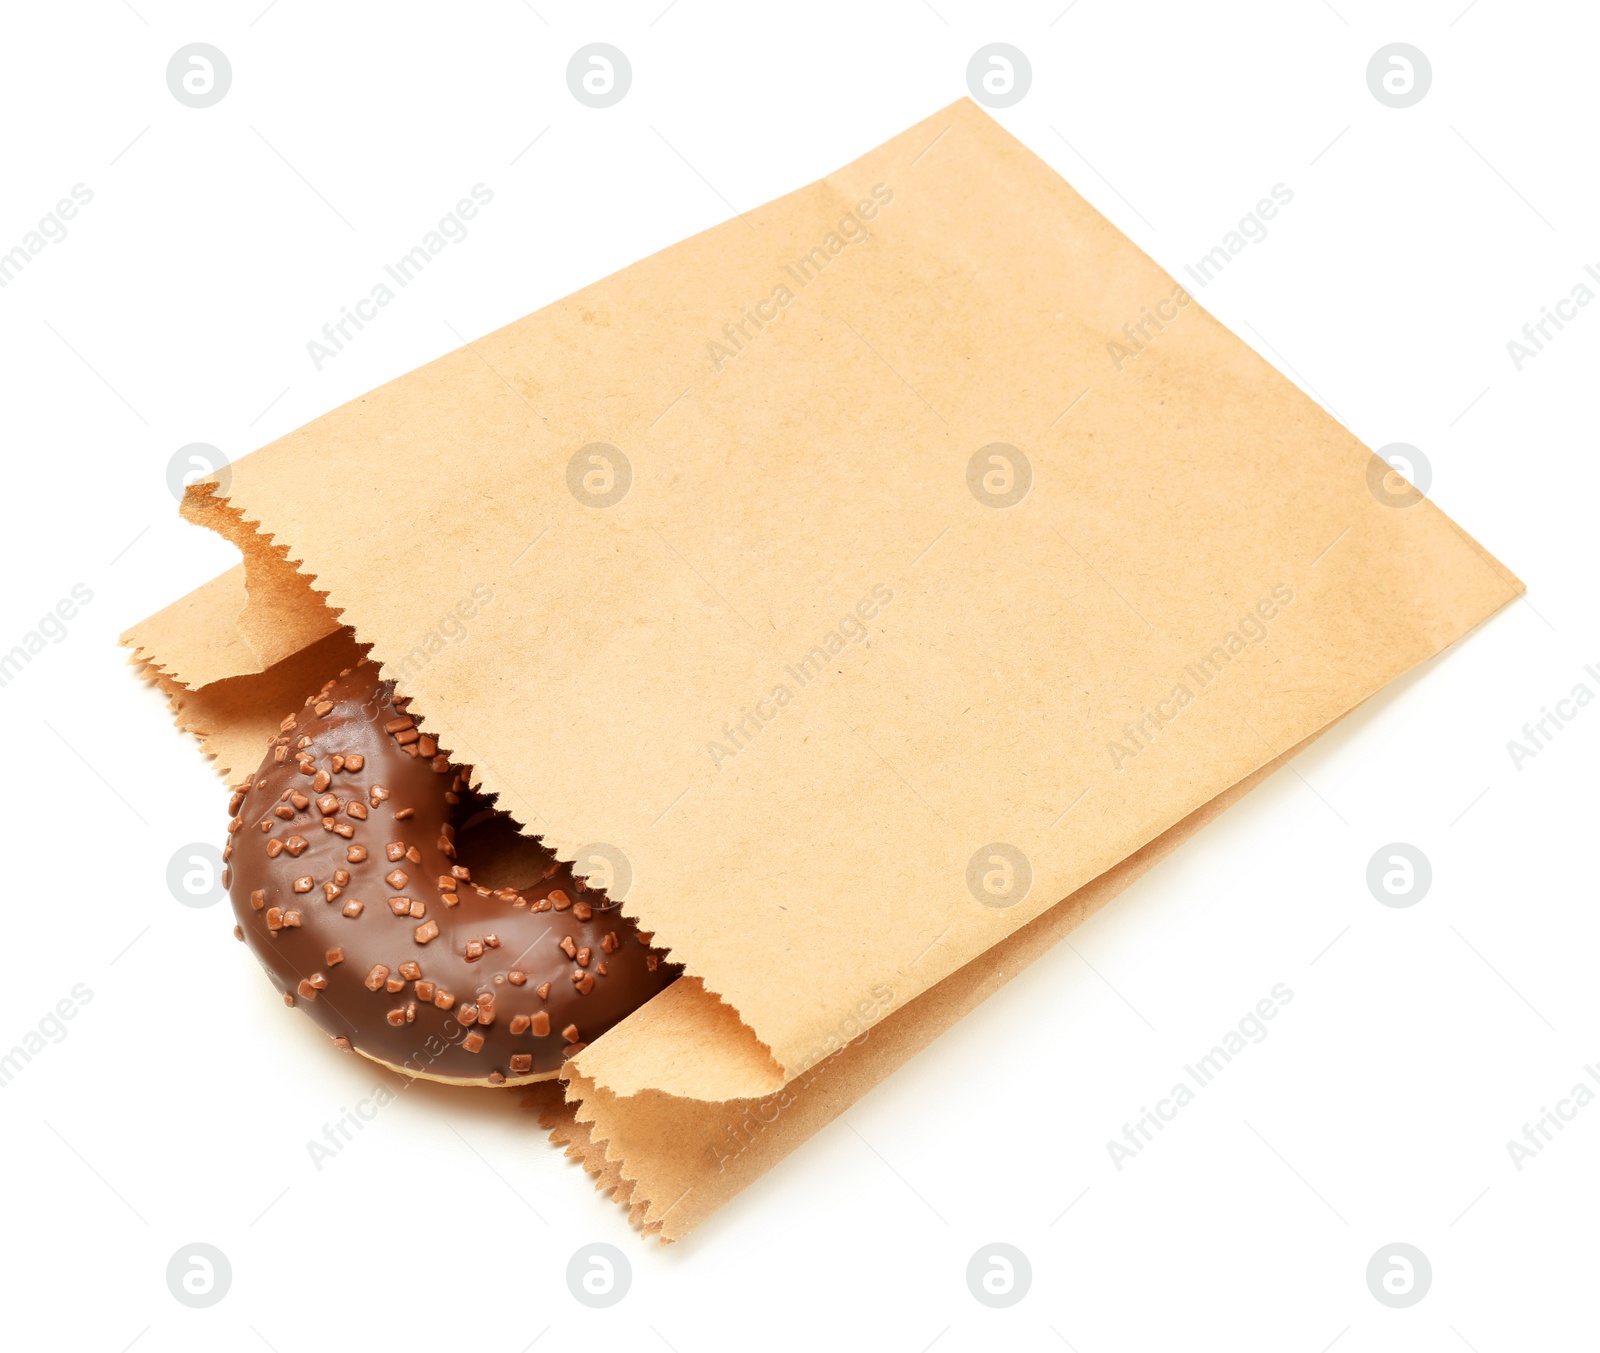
{"type": "Point", "coordinates": [178, 1106]}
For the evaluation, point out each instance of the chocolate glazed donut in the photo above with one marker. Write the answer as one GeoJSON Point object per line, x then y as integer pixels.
{"type": "Point", "coordinates": [346, 882]}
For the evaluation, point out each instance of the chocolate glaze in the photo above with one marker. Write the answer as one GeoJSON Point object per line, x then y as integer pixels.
{"type": "Point", "coordinates": [348, 967]}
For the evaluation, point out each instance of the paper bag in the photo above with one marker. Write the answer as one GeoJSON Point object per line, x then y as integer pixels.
{"type": "Point", "coordinates": [845, 586]}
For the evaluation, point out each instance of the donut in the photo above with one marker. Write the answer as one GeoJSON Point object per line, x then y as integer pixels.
{"type": "Point", "coordinates": [344, 865]}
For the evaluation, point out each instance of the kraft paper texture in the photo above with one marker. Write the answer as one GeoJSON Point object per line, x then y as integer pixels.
{"type": "Point", "coordinates": [871, 573]}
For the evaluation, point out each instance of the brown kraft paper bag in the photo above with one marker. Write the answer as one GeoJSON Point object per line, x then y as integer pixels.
{"type": "Point", "coordinates": [848, 591]}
